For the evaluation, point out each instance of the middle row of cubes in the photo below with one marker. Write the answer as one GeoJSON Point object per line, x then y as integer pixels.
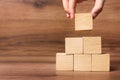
{"type": "Point", "coordinates": [87, 45]}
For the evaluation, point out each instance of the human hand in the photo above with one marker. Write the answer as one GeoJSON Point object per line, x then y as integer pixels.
{"type": "Point", "coordinates": [70, 7]}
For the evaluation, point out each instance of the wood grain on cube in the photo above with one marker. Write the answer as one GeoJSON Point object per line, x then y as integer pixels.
{"type": "Point", "coordinates": [92, 45]}
{"type": "Point", "coordinates": [101, 62]}
{"type": "Point", "coordinates": [82, 62]}
{"type": "Point", "coordinates": [83, 21]}
{"type": "Point", "coordinates": [64, 62]}
{"type": "Point", "coordinates": [74, 45]}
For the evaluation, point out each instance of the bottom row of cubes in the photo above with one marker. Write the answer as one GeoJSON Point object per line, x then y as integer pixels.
{"type": "Point", "coordinates": [81, 62]}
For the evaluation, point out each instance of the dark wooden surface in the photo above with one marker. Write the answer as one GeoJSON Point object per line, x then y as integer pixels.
{"type": "Point", "coordinates": [32, 31]}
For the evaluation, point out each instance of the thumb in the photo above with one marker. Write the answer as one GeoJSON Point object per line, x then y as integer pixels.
{"type": "Point", "coordinates": [97, 7]}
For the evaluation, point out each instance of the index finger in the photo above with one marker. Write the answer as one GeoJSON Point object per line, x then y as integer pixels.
{"type": "Point", "coordinates": [66, 5]}
{"type": "Point", "coordinates": [72, 8]}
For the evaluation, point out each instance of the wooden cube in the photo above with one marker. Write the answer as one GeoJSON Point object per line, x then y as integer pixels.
{"type": "Point", "coordinates": [92, 45]}
{"type": "Point", "coordinates": [83, 21]}
{"type": "Point", "coordinates": [74, 45]}
{"type": "Point", "coordinates": [82, 62]}
{"type": "Point", "coordinates": [64, 62]}
{"type": "Point", "coordinates": [101, 62]}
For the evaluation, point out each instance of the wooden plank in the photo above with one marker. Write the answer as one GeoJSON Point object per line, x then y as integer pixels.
{"type": "Point", "coordinates": [26, 29]}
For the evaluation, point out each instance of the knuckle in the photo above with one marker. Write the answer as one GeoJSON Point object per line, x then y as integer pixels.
{"type": "Point", "coordinates": [100, 9]}
{"type": "Point", "coordinates": [66, 10]}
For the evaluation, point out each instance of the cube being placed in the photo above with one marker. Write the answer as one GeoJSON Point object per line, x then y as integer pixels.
{"type": "Point", "coordinates": [74, 45]}
{"type": "Point", "coordinates": [92, 45]}
{"type": "Point", "coordinates": [83, 21]}
{"type": "Point", "coordinates": [82, 62]}
{"type": "Point", "coordinates": [101, 62]}
{"type": "Point", "coordinates": [64, 62]}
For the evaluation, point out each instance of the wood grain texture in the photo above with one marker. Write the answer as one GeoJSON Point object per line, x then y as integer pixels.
{"type": "Point", "coordinates": [35, 28]}
{"type": "Point", "coordinates": [74, 45]}
{"type": "Point", "coordinates": [83, 21]}
{"type": "Point", "coordinates": [92, 45]}
{"type": "Point", "coordinates": [101, 62]}
{"type": "Point", "coordinates": [64, 62]}
{"type": "Point", "coordinates": [82, 62]}
{"type": "Point", "coordinates": [27, 29]}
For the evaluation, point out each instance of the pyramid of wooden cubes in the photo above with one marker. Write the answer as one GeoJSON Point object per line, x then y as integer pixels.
{"type": "Point", "coordinates": [83, 53]}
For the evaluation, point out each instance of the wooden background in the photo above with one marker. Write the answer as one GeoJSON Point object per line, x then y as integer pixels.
{"type": "Point", "coordinates": [34, 30]}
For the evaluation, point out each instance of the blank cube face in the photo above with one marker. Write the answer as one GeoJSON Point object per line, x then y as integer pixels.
{"type": "Point", "coordinates": [92, 45]}
{"type": "Point", "coordinates": [73, 45]}
{"type": "Point", "coordinates": [83, 21]}
{"type": "Point", "coordinates": [64, 62]}
{"type": "Point", "coordinates": [82, 62]}
{"type": "Point", "coordinates": [101, 62]}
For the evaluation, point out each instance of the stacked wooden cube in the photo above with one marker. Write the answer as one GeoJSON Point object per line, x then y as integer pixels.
{"type": "Point", "coordinates": [83, 53]}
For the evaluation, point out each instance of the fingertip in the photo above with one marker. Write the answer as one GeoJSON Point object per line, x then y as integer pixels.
{"type": "Point", "coordinates": [67, 15]}
{"type": "Point", "coordinates": [93, 15]}
{"type": "Point", "coordinates": [72, 16]}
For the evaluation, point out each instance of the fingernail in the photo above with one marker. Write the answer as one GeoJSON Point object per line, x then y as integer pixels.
{"type": "Point", "coordinates": [67, 15]}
